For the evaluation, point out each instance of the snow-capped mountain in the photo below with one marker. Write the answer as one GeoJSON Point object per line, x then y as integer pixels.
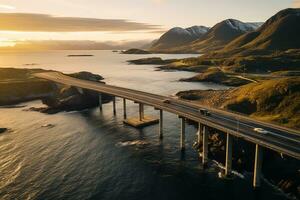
{"type": "Point", "coordinates": [238, 25]}
{"type": "Point", "coordinates": [197, 31]}
{"type": "Point", "coordinates": [179, 36]}
{"type": "Point", "coordinates": [201, 38]}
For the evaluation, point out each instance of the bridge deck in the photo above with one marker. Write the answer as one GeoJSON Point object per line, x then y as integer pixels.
{"type": "Point", "coordinates": [280, 139]}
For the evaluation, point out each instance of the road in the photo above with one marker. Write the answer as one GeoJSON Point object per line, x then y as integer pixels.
{"type": "Point", "coordinates": [280, 139]}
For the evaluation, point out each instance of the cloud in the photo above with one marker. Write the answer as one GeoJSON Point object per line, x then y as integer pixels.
{"type": "Point", "coordinates": [296, 3]}
{"type": "Point", "coordinates": [29, 22]}
{"type": "Point", "coordinates": [6, 7]}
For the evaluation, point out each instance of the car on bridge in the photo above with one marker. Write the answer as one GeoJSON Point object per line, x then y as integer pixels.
{"type": "Point", "coordinates": [167, 101]}
{"type": "Point", "coordinates": [204, 112]}
{"type": "Point", "coordinates": [261, 131]}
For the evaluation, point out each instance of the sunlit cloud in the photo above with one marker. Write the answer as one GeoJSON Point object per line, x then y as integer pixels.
{"type": "Point", "coordinates": [296, 3]}
{"type": "Point", "coordinates": [6, 7]}
{"type": "Point", "coordinates": [27, 22]}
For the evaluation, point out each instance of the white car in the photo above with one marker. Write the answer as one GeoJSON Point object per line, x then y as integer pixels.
{"type": "Point", "coordinates": [261, 131]}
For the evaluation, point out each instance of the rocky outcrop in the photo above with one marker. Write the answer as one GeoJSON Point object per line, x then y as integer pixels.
{"type": "Point", "coordinates": [68, 98]}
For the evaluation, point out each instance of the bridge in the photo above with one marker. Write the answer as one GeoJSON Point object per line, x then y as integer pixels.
{"type": "Point", "coordinates": [282, 140]}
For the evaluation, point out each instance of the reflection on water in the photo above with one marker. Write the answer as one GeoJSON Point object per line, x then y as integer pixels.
{"type": "Point", "coordinates": [93, 155]}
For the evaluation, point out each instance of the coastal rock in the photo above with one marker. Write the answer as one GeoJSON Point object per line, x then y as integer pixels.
{"type": "Point", "coordinates": [2, 130]}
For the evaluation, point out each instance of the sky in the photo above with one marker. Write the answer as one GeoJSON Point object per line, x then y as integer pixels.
{"type": "Point", "coordinates": [122, 20]}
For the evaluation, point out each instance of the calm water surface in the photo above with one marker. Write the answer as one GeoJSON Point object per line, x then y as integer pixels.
{"type": "Point", "coordinates": [92, 155]}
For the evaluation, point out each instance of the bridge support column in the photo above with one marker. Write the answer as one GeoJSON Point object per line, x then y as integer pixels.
{"type": "Point", "coordinates": [258, 166]}
{"type": "Point", "coordinates": [182, 135]}
{"type": "Point", "coordinates": [141, 111]}
{"type": "Point", "coordinates": [199, 134]}
{"type": "Point", "coordinates": [160, 124]}
{"type": "Point", "coordinates": [100, 102]}
{"type": "Point", "coordinates": [205, 145]}
{"type": "Point", "coordinates": [114, 106]}
{"type": "Point", "coordinates": [124, 109]}
{"type": "Point", "coordinates": [228, 162]}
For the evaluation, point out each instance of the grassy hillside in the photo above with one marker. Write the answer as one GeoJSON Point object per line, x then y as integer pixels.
{"type": "Point", "coordinates": [276, 100]}
{"type": "Point", "coordinates": [273, 100]}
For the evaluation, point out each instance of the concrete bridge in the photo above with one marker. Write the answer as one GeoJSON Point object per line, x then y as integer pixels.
{"type": "Point", "coordinates": [282, 140]}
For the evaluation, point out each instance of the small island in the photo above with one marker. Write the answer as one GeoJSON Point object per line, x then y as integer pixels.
{"type": "Point", "coordinates": [151, 61]}
{"type": "Point", "coordinates": [80, 55]}
{"type": "Point", "coordinates": [135, 51]}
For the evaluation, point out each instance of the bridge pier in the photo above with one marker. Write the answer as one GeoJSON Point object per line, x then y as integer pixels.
{"type": "Point", "coordinates": [160, 124]}
{"type": "Point", "coordinates": [141, 120]}
{"type": "Point", "coordinates": [124, 109]}
{"type": "Point", "coordinates": [228, 162]}
{"type": "Point", "coordinates": [199, 134]}
{"type": "Point", "coordinates": [258, 166]}
{"type": "Point", "coordinates": [100, 102]}
{"type": "Point", "coordinates": [182, 135]}
{"type": "Point", "coordinates": [205, 145]}
{"type": "Point", "coordinates": [114, 106]}
{"type": "Point", "coordinates": [141, 111]}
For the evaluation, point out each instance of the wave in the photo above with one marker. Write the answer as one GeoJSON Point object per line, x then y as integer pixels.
{"type": "Point", "coordinates": [132, 143]}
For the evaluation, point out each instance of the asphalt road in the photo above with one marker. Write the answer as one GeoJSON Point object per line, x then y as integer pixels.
{"type": "Point", "coordinates": [280, 139]}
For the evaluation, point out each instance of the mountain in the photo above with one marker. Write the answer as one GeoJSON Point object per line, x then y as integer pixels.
{"type": "Point", "coordinates": [177, 36]}
{"type": "Point", "coordinates": [220, 35]}
{"type": "Point", "coordinates": [281, 32]}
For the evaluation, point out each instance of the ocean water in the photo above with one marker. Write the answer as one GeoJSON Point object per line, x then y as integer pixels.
{"type": "Point", "coordinates": [93, 155]}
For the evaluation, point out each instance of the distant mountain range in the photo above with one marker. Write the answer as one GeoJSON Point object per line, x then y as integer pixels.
{"type": "Point", "coordinates": [280, 32]}
{"type": "Point", "coordinates": [201, 38]}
